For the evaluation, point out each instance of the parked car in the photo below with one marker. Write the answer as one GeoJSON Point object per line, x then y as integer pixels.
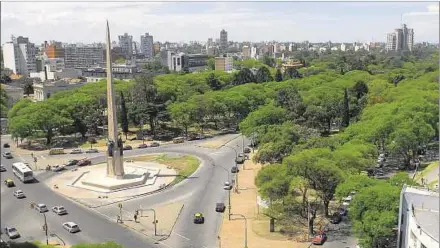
{"type": "Point", "coordinates": [92, 150]}
{"type": "Point", "coordinates": [60, 210]}
{"type": "Point", "coordinates": [6, 145]}
{"type": "Point", "coordinates": [7, 155]}
{"type": "Point", "coordinates": [141, 146]}
{"type": "Point", "coordinates": [234, 169]}
{"type": "Point", "coordinates": [76, 151]}
{"type": "Point", "coordinates": [336, 218]}
{"type": "Point", "coordinates": [240, 158]}
{"type": "Point", "coordinates": [12, 232]}
{"type": "Point", "coordinates": [201, 136]}
{"type": "Point", "coordinates": [9, 183]}
{"type": "Point", "coordinates": [227, 186]}
{"type": "Point", "coordinates": [72, 162]}
{"type": "Point", "coordinates": [127, 147]}
{"type": "Point", "coordinates": [71, 227]}
{"type": "Point", "coordinates": [198, 218]}
{"type": "Point", "coordinates": [154, 144]}
{"type": "Point", "coordinates": [57, 168]}
{"type": "Point", "coordinates": [40, 207]}
{"type": "Point", "coordinates": [247, 150]}
{"type": "Point", "coordinates": [2, 168]}
{"type": "Point", "coordinates": [19, 194]}
{"type": "Point", "coordinates": [319, 239]}
{"type": "Point", "coordinates": [84, 162]}
{"type": "Point", "coordinates": [220, 207]}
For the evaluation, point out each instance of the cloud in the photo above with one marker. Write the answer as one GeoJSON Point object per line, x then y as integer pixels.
{"type": "Point", "coordinates": [433, 8]}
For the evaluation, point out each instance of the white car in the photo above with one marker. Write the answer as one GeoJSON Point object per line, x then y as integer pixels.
{"type": "Point", "coordinates": [41, 208]}
{"type": "Point", "coordinates": [348, 198]}
{"type": "Point", "coordinates": [19, 194]}
{"type": "Point", "coordinates": [57, 168]}
{"type": "Point", "coordinates": [71, 227]}
{"type": "Point", "coordinates": [12, 232]}
{"type": "Point", "coordinates": [227, 186]}
{"type": "Point", "coordinates": [76, 151]}
{"type": "Point", "coordinates": [60, 210]}
{"type": "Point", "coordinates": [2, 168]}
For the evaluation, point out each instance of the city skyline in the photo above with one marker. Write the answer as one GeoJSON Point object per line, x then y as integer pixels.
{"type": "Point", "coordinates": [189, 21]}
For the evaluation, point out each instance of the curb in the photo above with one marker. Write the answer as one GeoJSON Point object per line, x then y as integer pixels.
{"type": "Point", "coordinates": [224, 144]}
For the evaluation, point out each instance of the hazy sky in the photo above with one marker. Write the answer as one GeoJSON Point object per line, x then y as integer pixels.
{"type": "Point", "coordinates": [244, 21]}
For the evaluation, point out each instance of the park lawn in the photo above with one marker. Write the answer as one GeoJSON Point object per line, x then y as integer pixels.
{"type": "Point", "coordinates": [184, 165]}
{"type": "Point", "coordinates": [426, 170]}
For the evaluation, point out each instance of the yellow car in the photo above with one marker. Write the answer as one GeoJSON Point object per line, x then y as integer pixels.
{"type": "Point", "coordinates": [9, 182]}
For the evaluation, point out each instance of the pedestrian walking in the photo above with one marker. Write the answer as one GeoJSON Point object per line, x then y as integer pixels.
{"type": "Point", "coordinates": [135, 217]}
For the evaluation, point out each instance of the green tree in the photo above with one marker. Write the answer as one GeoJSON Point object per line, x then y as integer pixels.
{"type": "Point", "coordinates": [211, 63]}
{"type": "Point", "coordinates": [263, 75]}
{"type": "Point", "coordinates": [244, 76]}
{"type": "Point", "coordinates": [290, 99]}
{"type": "Point", "coordinates": [345, 110]}
{"type": "Point", "coordinates": [181, 114]}
{"type": "Point", "coordinates": [213, 82]}
{"type": "Point", "coordinates": [291, 73]}
{"type": "Point", "coordinates": [278, 76]}
{"type": "Point", "coordinates": [3, 101]}
{"type": "Point", "coordinates": [124, 116]}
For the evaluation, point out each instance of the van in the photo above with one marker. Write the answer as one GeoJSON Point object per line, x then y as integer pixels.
{"type": "Point", "coordinates": [178, 140]}
{"type": "Point", "coordinates": [56, 151]}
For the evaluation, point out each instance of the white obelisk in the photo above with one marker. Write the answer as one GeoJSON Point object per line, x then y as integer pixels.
{"type": "Point", "coordinates": [115, 164]}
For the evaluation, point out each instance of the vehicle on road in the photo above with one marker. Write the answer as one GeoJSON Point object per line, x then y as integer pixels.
{"type": "Point", "coordinates": [84, 162]}
{"type": "Point", "coordinates": [12, 232]}
{"type": "Point", "coordinates": [319, 239]}
{"type": "Point", "coordinates": [40, 207]}
{"type": "Point", "coordinates": [23, 172]}
{"type": "Point", "coordinates": [154, 144]}
{"type": "Point", "coordinates": [198, 218]}
{"type": "Point", "coordinates": [72, 162]}
{"type": "Point", "coordinates": [180, 140]}
{"type": "Point", "coordinates": [247, 150]}
{"type": "Point", "coordinates": [227, 186]}
{"type": "Point", "coordinates": [9, 183]}
{"type": "Point", "coordinates": [7, 155]}
{"type": "Point", "coordinates": [60, 210]}
{"type": "Point", "coordinates": [92, 150]}
{"type": "Point", "coordinates": [141, 146]}
{"type": "Point", "coordinates": [76, 151]}
{"type": "Point", "coordinates": [125, 148]}
{"type": "Point", "coordinates": [2, 168]}
{"type": "Point", "coordinates": [71, 227]}
{"type": "Point", "coordinates": [234, 169]}
{"type": "Point", "coordinates": [56, 151]}
{"type": "Point", "coordinates": [220, 207]}
{"type": "Point", "coordinates": [57, 168]}
{"type": "Point", "coordinates": [342, 211]}
{"type": "Point", "coordinates": [336, 218]}
{"type": "Point", "coordinates": [19, 194]}
{"type": "Point", "coordinates": [240, 158]}
{"type": "Point", "coordinates": [6, 145]}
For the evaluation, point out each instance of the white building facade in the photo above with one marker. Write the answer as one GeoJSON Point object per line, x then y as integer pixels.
{"type": "Point", "coordinates": [19, 55]}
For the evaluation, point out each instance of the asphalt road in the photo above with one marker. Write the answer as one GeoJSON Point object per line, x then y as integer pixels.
{"type": "Point", "coordinates": [199, 193]}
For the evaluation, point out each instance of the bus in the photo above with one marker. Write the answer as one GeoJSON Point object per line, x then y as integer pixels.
{"type": "Point", "coordinates": [56, 151]}
{"type": "Point", "coordinates": [23, 172]}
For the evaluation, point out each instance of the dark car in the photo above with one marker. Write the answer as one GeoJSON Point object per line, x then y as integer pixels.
{"type": "Point", "coordinates": [6, 145]}
{"type": "Point", "coordinates": [220, 207]}
{"type": "Point", "coordinates": [319, 239]}
{"type": "Point", "coordinates": [154, 144]}
{"type": "Point", "coordinates": [141, 146]}
{"type": "Point", "coordinates": [125, 148]}
{"type": "Point", "coordinates": [247, 150]}
{"type": "Point", "coordinates": [240, 158]}
{"type": "Point", "coordinates": [72, 162]}
{"type": "Point", "coordinates": [234, 169]}
{"type": "Point", "coordinates": [336, 218]}
{"type": "Point", "coordinates": [84, 162]}
{"type": "Point", "coordinates": [198, 218]}
{"type": "Point", "coordinates": [342, 211]}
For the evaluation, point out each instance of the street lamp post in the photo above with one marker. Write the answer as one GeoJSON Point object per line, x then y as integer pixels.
{"type": "Point", "coordinates": [45, 228]}
{"type": "Point", "coordinates": [245, 228]}
{"type": "Point", "coordinates": [154, 218]}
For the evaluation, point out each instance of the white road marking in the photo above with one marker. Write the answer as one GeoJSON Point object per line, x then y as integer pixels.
{"type": "Point", "coordinates": [181, 236]}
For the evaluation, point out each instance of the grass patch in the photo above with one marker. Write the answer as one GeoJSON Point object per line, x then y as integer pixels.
{"type": "Point", "coordinates": [426, 170]}
{"type": "Point", "coordinates": [185, 165]}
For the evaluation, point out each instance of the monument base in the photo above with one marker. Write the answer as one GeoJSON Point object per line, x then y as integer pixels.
{"type": "Point", "coordinates": [136, 175]}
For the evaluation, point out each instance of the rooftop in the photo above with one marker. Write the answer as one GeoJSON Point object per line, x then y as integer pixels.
{"type": "Point", "coordinates": [425, 208]}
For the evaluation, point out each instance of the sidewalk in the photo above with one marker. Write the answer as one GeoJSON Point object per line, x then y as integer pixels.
{"type": "Point", "coordinates": [232, 231]}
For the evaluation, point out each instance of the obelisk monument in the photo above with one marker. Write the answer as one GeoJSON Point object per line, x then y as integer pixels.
{"type": "Point", "coordinates": [115, 164]}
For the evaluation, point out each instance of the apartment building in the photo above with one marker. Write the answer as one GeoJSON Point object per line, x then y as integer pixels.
{"type": "Point", "coordinates": [223, 40]}
{"type": "Point", "coordinates": [224, 63]}
{"type": "Point", "coordinates": [188, 62]}
{"type": "Point", "coordinates": [19, 56]}
{"type": "Point", "coordinates": [418, 218]}
{"type": "Point", "coordinates": [246, 52]}
{"type": "Point", "coordinates": [83, 56]}
{"type": "Point", "coordinates": [126, 44]}
{"type": "Point", "coordinates": [402, 39]}
{"type": "Point", "coordinates": [147, 48]}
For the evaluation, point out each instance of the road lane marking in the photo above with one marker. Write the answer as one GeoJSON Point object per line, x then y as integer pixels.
{"type": "Point", "coordinates": [181, 236]}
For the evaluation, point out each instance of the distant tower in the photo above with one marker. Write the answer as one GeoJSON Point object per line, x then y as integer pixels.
{"type": "Point", "coordinates": [115, 165]}
{"type": "Point", "coordinates": [223, 40]}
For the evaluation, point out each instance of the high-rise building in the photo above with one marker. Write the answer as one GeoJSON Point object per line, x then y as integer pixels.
{"type": "Point", "coordinates": [126, 44]}
{"type": "Point", "coordinates": [147, 45]}
{"type": "Point", "coordinates": [83, 56]}
{"type": "Point", "coordinates": [223, 40]}
{"type": "Point", "coordinates": [402, 39]}
{"type": "Point", "coordinates": [19, 56]}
